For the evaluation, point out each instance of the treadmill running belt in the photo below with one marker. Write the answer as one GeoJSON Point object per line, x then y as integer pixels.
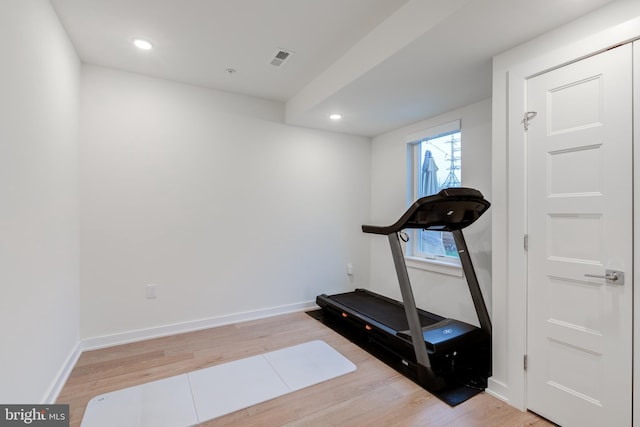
{"type": "Point", "coordinates": [383, 311]}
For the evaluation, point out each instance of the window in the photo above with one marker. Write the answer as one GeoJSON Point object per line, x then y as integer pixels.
{"type": "Point", "coordinates": [434, 157]}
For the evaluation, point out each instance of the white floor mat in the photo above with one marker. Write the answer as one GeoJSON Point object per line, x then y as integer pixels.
{"type": "Point", "coordinates": [226, 388]}
{"type": "Point", "coordinates": [188, 399]}
{"type": "Point", "coordinates": [165, 402]}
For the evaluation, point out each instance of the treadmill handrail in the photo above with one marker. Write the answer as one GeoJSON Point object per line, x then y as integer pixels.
{"type": "Point", "coordinates": [451, 209]}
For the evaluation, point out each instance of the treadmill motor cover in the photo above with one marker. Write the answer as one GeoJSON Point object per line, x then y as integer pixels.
{"type": "Point", "coordinates": [446, 334]}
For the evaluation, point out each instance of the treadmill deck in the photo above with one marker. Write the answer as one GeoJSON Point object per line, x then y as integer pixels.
{"type": "Point", "coordinates": [384, 310]}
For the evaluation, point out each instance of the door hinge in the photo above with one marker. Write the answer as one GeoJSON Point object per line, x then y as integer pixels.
{"type": "Point", "coordinates": [526, 242]}
{"type": "Point", "coordinates": [529, 115]}
{"type": "Point", "coordinates": [524, 362]}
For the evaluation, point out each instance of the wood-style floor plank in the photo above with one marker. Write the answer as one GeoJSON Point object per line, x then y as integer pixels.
{"type": "Point", "coordinates": [373, 395]}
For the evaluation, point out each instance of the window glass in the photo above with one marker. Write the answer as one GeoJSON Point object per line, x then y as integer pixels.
{"type": "Point", "coordinates": [435, 157]}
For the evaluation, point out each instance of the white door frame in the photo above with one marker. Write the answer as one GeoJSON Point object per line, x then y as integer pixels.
{"type": "Point", "coordinates": [513, 307]}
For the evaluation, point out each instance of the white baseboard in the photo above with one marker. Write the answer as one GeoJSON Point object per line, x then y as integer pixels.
{"type": "Point", "coordinates": [498, 390]}
{"type": "Point", "coordinates": [190, 326]}
{"type": "Point", "coordinates": [51, 395]}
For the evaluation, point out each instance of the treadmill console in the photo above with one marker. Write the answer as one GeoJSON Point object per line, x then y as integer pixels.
{"type": "Point", "coordinates": [450, 209]}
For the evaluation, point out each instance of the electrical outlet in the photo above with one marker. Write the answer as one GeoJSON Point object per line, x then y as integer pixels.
{"type": "Point", "coordinates": [349, 269]}
{"type": "Point", "coordinates": [151, 291]}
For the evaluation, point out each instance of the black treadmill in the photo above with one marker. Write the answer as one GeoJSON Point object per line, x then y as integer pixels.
{"type": "Point", "coordinates": [437, 351]}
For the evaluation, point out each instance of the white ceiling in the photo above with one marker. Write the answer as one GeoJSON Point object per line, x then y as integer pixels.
{"type": "Point", "coordinates": [382, 64]}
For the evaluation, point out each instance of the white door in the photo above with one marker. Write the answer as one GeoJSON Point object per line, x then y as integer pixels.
{"type": "Point", "coordinates": [579, 195]}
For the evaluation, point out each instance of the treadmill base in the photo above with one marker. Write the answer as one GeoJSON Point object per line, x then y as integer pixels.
{"type": "Point", "coordinates": [460, 387]}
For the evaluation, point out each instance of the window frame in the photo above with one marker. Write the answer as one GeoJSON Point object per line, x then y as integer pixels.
{"type": "Point", "coordinates": [431, 262]}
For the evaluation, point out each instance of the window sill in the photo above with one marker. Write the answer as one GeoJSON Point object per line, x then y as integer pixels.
{"type": "Point", "coordinates": [435, 266]}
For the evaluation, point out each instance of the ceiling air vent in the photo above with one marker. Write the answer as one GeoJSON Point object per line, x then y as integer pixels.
{"type": "Point", "coordinates": [280, 56]}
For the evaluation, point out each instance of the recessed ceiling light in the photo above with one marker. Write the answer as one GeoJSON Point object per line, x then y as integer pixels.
{"type": "Point", "coordinates": [335, 116]}
{"type": "Point", "coordinates": [142, 44]}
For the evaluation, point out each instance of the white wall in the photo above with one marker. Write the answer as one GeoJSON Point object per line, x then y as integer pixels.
{"type": "Point", "coordinates": [615, 23]}
{"type": "Point", "coordinates": [39, 305]}
{"type": "Point", "coordinates": [440, 293]}
{"type": "Point", "coordinates": [209, 196]}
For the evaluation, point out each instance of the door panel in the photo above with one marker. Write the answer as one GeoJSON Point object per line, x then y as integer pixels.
{"type": "Point", "coordinates": [579, 195]}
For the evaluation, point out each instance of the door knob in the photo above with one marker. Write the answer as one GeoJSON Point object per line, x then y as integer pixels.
{"type": "Point", "coordinates": [611, 276]}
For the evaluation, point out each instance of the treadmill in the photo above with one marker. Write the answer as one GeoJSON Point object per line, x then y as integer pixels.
{"type": "Point", "coordinates": [437, 352]}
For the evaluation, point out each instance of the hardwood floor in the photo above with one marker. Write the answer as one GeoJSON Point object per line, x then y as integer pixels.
{"type": "Point", "coordinates": [373, 395]}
